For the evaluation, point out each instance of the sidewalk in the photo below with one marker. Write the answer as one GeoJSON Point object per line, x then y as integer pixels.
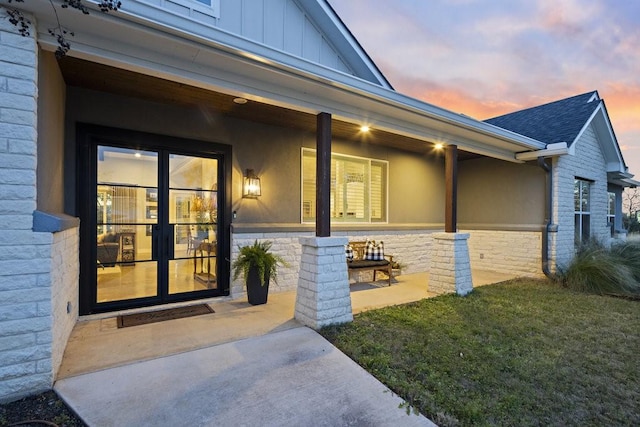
{"type": "Point", "coordinates": [288, 378]}
{"type": "Point", "coordinates": [242, 365]}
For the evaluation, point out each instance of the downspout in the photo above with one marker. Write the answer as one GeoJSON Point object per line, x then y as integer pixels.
{"type": "Point", "coordinates": [549, 215]}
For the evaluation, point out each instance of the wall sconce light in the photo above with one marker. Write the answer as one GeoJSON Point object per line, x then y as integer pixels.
{"type": "Point", "coordinates": [251, 185]}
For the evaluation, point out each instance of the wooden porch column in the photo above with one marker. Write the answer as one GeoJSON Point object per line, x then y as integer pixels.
{"type": "Point", "coordinates": [451, 192]}
{"type": "Point", "coordinates": [323, 296]}
{"type": "Point", "coordinates": [323, 175]}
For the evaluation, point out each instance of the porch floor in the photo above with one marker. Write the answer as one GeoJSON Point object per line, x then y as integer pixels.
{"type": "Point", "coordinates": [96, 343]}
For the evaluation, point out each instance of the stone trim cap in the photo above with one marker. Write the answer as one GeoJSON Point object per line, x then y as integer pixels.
{"type": "Point", "coordinates": [53, 222]}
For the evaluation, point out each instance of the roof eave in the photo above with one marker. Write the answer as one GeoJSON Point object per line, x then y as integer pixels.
{"type": "Point", "coordinates": [140, 45]}
{"type": "Point", "coordinates": [551, 150]}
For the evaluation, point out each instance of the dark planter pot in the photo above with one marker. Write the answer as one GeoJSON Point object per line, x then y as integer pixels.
{"type": "Point", "coordinates": [256, 293]}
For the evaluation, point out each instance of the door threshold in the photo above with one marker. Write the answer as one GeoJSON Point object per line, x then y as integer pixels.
{"type": "Point", "coordinates": [116, 313]}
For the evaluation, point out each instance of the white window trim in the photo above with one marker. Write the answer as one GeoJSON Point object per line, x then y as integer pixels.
{"type": "Point", "coordinates": [611, 215]}
{"type": "Point", "coordinates": [580, 212]}
{"type": "Point", "coordinates": [368, 159]}
{"type": "Point", "coordinates": [212, 10]}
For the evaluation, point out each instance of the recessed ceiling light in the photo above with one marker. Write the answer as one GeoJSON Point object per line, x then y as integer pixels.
{"type": "Point", "coordinates": [240, 101]}
{"type": "Point", "coordinates": [138, 155]}
{"type": "Point", "coordinates": [364, 128]}
{"type": "Point", "coordinates": [438, 146]}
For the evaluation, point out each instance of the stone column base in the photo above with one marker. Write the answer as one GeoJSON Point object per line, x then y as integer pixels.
{"type": "Point", "coordinates": [450, 265]}
{"type": "Point", "coordinates": [323, 296]}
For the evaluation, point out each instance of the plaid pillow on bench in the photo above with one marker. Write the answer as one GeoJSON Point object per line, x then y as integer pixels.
{"type": "Point", "coordinates": [373, 251]}
{"type": "Point", "coordinates": [349, 252]}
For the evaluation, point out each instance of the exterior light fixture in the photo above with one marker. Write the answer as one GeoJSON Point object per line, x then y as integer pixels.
{"type": "Point", "coordinates": [240, 101]}
{"type": "Point", "coordinates": [364, 128]}
{"type": "Point", "coordinates": [438, 146]}
{"type": "Point", "coordinates": [251, 185]}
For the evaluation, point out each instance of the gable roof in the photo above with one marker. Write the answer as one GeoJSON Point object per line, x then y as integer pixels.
{"type": "Point", "coordinates": [325, 16]}
{"type": "Point", "coordinates": [564, 121]}
{"type": "Point", "coordinates": [154, 41]}
{"type": "Point", "coordinates": [555, 122]}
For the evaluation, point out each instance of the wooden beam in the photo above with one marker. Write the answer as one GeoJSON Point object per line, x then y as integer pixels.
{"type": "Point", "coordinates": [323, 175]}
{"type": "Point", "coordinates": [451, 192]}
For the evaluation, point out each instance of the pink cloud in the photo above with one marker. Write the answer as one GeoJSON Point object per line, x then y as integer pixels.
{"type": "Point", "coordinates": [486, 58]}
{"type": "Point", "coordinates": [568, 17]}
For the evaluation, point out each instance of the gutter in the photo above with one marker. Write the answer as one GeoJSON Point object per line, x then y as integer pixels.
{"type": "Point", "coordinates": [557, 149]}
{"type": "Point", "coordinates": [312, 79]}
{"type": "Point", "coordinates": [549, 215]}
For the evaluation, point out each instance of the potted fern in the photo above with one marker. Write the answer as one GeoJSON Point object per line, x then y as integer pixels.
{"type": "Point", "coordinates": [257, 264]}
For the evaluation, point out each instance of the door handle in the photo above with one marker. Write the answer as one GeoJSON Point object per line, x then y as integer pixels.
{"type": "Point", "coordinates": [154, 242]}
{"type": "Point", "coordinates": [170, 241]}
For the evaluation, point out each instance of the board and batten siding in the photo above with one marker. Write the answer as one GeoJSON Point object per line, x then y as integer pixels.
{"type": "Point", "coordinates": [282, 25]}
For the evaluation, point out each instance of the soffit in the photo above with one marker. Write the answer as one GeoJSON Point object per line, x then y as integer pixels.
{"type": "Point", "coordinates": [100, 77]}
{"type": "Point", "coordinates": [128, 41]}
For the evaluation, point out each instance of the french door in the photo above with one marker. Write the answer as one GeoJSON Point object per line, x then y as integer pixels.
{"type": "Point", "coordinates": [157, 230]}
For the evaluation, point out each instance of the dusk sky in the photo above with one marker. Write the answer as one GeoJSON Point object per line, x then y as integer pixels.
{"type": "Point", "coordinates": [485, 58]}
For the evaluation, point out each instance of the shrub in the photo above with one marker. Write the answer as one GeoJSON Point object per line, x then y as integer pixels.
{"type": "Point", "coordinates": [629, 254]}
{"type": "Point", "coordinates": [596, 269]}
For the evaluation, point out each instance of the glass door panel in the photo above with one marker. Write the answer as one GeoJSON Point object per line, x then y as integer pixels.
{"type": "Point", "coordinates": [126, 212]}
{"type": "Point", "coordinates": [193, 213]}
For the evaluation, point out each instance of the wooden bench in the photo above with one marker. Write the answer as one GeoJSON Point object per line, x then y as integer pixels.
{"type": "Point", "coordinates": [360, 264]}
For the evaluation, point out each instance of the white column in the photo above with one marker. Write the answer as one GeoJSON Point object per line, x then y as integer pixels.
{"type": "Point", "coordinates": [450, 265]}
{"type": "Point", "coordinates": [323, 296]}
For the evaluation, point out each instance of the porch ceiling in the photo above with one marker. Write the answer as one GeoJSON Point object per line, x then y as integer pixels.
{"type": "Point", "coordinates": [104, 78]}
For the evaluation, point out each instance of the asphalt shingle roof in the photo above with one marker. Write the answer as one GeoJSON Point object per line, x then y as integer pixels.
{"type": "Point", "coordinates": [558, 121]}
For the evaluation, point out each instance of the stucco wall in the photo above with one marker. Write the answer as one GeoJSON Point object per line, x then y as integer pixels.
{"type": "Point", "coordinates": [494, 193]}
{"type": "Point", "coordinates": [588, 163]}
{"type": "Point", "coordinates": [273, 152]}
{"type": "Point", "coordinates": [51, 99]}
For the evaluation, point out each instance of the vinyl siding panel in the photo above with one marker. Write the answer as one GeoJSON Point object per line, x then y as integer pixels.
{"type": "Point", "coordinates": [274, 13]}
{"type": "Point", "coordinates": [231, 16]}
{"type": "Point", "coordinates": [312, 40]}
{"type": "Point", "coordinates": [293, 29]}
{"type": "Point", "coordinates": [283, 25]}
{"type": "Point", "coordinates": [280, 24]}
{"type": "Point", "coordinates": [253, 20]}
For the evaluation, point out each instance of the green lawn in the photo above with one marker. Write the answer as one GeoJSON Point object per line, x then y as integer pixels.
{"type": "Point", "coordinates": [523, 352]}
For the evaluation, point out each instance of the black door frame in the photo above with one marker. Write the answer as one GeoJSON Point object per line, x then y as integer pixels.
{"type": "Point", "coordinates": [88, 138]}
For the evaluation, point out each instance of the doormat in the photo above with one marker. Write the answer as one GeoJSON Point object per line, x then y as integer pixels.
{"type": "Point", "coordinates": [162, 315]}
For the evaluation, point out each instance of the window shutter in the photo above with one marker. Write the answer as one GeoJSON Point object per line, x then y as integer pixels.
{"type": "Point", "coordinates": [378, 191]}
{"type": "Point", "coordinates": [358, 188]}
{"type": "Point", "coordinates": [353, 182]}
{"type": "Point", "coordinates": [308, 185]}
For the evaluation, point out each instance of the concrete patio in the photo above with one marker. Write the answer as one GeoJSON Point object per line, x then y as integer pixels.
{"type": "Point", "coordinates": [96, 343]}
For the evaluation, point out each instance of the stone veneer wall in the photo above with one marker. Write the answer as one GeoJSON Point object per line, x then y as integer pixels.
{"type": "Point", "coordinates": [587, 163]}
{"type": "Point", "coordinates": [518, 252]}
{"type": "Point", "coordinates": [323, 296]}
{"type": "Point", "coordinates": [450, 267]}
{"type": "Point", "coordinates": [65, 270]}
{"type": "Point", "coordinates": [25, 293]}
{"type": "Point", "coordinates": [285, 244]}
{"type": "Point", "coordinates": [412, 248]}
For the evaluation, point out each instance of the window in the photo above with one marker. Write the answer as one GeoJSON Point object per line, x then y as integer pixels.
{"type": "Point", "coordinates": [611, 212]}
{"type": "Point", "coordinates": [358, 188]}
{"type": "Point", "coordinates": [582, 204]}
